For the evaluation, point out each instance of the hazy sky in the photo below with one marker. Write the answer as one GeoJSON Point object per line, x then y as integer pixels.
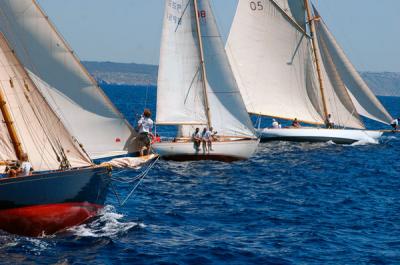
{"type": "Point", "coordinates": [129, 30]}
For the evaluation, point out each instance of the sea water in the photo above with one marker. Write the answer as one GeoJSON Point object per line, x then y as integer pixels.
{"type": "Point", "coordinates": [292, 203]}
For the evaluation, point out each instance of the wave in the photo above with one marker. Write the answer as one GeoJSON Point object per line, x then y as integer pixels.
{"type": "Point", "coordinates": [108, 224]}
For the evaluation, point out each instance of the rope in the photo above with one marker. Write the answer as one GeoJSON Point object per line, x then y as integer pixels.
{"type": "Point", "coordinates": [125, 180]}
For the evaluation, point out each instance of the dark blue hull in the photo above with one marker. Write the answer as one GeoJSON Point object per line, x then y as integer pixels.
{"type": "Point", "coordinates": [49, 202]}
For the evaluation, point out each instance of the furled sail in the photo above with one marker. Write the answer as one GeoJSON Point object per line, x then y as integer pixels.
{"type": "Point", "coordinates": [43, 136]}
{"type": "Point", "coordinates": [180, 98]}
{"type": "Point", "coordinates": [72, 93]}
{"type": "Point", "coordinates": [270, 55]}
{"type": "Point", "coordinates": [364, 99]}
{"type": "Point", "coordinates": [228, 111]}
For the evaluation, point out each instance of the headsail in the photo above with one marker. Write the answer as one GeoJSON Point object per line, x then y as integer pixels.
{"type": "Point", "coordinates": [363, 98]}
{"type": "Point", "coordinates": [69, 89]}
{"type": "Point", "coordinates": [42, 135]}
{"type": "Point", "coordinates": [181, 97]}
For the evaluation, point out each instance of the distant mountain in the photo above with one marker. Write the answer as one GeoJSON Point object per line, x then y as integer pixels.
{"type": "Point", "coordinates": [382, 83]}
{"type": "Point", "coordinates": [123, 73]}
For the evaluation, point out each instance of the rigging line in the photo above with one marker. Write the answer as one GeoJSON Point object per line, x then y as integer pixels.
{"type": "Point", "coordinates": [43, 121]}
{"type": "Point", "coordinates": [145, 173]}
{"type": "Point", "coordinates": [25, 50]}
{"type": "Point", "coordinates": [192, 82]}
{"type": "Point", "coordinates": [183, 13]}
{"type": "Point", "coordinates": [290, 19]}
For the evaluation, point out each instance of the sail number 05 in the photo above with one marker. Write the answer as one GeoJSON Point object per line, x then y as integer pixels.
{"type": "Point", "coordinates": [256, 5]}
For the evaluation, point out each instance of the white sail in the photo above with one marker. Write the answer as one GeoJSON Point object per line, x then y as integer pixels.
{"type": "Point", "coordinates": [180, 97]}
{"type": "Point", "coordinates": [338, 102]}
{"type": "Point", "coordinates": [228, 111]}
{"type": "Point", "coordinates": [274, 64]}
{"type": "Point", "coordinates": [43, 136]}
{"type": "Point", "coordinates": [364, 99]}
{"type": "Point", "coordinates": [180, 94]}
{"type": "Point", "coordinates": [69, 89]}
{"type": "Point", "coordinates": [6, 148]}
{"type": "Point", "coordinates": [270, 55]}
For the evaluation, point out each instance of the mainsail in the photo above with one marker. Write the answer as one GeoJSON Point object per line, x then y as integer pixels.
{"type": "Point", "coordinates": [181, 96]}
{"type": "Point", "coordinates": [42, 135]}
{"type": "Point", "coordinates": [70, 90]}
{"type": "Point", "coordinates": [273, 60]}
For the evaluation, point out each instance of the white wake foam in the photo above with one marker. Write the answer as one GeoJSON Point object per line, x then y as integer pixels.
{"type": "Point", "coordinates": [107, 224]}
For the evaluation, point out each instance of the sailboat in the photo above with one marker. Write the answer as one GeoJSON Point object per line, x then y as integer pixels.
{"type": "Point", "coordinates": [55, 115]}
{"type": "Point", "coordinates": [196, 87]}
{"type": "Point", "coordinates": [287, 70]}
{"type": "Point", "coordinates": [71, 91]}
{"type": "Point", "coordinates": [66, 188]}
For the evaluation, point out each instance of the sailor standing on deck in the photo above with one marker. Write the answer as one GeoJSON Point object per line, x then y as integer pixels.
{"type": "Point", "coordinates": [145, 125]}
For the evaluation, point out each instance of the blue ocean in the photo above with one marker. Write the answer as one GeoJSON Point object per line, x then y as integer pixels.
{"type": "Point", "coordinates": [292, 203]}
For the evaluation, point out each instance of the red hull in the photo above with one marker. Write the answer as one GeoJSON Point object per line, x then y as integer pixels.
{"type": "Point", "coordinates": [46, 219]}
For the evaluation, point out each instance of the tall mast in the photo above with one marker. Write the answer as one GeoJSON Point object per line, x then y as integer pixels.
{"type": "Point", "coordinates": [10, 125]}
{"type": "Point", "coordinates": [316, 56]}
{"type": "Point", "coordinates": [203, 67]}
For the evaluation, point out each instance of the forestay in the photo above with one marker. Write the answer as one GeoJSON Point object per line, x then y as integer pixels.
{"type": "Point", "coordinates": [70, 90]}
{"type": "Point", "coordinates": [270, 55]}
{"type": "Point", "coordinates": [43, 137]}
{"type": "Point", "coordinates": [180, 97]}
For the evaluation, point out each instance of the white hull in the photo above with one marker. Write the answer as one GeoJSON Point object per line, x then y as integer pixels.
{"type": "Point", "coordinates": [227, 150]}
{"type": "Point", "coordinates": [339, 136]}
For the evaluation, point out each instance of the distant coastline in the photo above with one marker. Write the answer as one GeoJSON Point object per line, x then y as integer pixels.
{"type": "Point", "coordinates": [382, 83]}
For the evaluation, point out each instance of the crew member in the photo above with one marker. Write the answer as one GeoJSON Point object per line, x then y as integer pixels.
{"type": "Point", "coordinates": [145, 125]}
{"type": "Point", "coordinates": [395, 124]}
{"type": "Point", "coordinates": [329, 123]}
{"type": "Point", "coordinates": [196, 138]}
{"type": "Point", "coordinates": [296, 123]}
{"type": "Point", "coordinates": [26, 167]}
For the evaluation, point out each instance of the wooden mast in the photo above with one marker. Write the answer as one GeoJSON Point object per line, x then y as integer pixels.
{"type": "Point", "coordinates": [316, 56]}
{"type": "Point", "coordinates": [203, 68]}
{"type": "Point", "coordinates": [10, 126]}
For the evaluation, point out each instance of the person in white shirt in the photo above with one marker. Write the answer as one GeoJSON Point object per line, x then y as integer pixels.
{"type": "Point", "coordinates": [329, 123]}
{"type": "Point", "coordinates": [26, 167]}
{"type": "Point", "coordinates": [209, 137]}
{"type": "Point", "coordinates": [145, 125]}
{"type": "Point", "coordinates": [275, 124]}
{"type": "Point", "coordinates": [196, 138]}
{"type": "Point", "coordinates": [395, 124]}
